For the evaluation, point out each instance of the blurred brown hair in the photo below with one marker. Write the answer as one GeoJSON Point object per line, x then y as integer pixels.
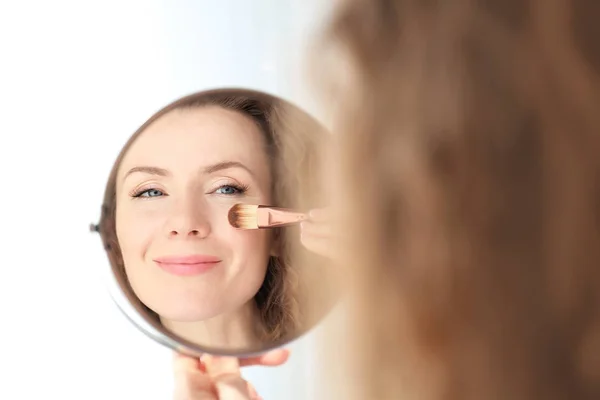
{"type": "Point", "coordinates": [293, 142]}
{"type": "Point", "coordinates": [469, 147]}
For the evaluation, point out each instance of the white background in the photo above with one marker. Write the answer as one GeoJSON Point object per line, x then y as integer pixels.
{"type": "Point", "coordinates": [76, 79]}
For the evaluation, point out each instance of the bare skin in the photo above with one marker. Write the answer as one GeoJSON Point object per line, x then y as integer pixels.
{"type": "Point", "coordinates": [219, 378]}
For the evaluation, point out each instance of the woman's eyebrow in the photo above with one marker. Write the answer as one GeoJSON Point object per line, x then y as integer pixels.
{"type": "Point", "coordinates": [147, 170]}
{"type": "Point", "coordinates": [207, 170]}
{"type": "Point", "coordinates": [225, 165]}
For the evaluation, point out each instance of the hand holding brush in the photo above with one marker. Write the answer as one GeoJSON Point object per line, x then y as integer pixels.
{"type": "Point", "coordinates": [315, 226]}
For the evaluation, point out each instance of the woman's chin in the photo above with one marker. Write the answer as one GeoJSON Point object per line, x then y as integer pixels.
{"type": "Point", "coordinates": [185, 315]}
{"type": "Point", "coordinates": [184, 311]}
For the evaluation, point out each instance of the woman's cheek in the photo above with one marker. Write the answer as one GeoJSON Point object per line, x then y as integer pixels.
{"type": "Point", "coordinates": [255, 243]}
{"type": "Point", "coordinates": [137, 226]}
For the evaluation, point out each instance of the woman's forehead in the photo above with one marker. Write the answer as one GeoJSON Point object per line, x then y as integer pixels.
{"type": "Point", "coordinates": [197, 138]}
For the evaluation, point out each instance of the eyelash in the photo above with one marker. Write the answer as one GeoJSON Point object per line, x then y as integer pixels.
{"type": "Point", "coordinates": [241, 189]}
{"type": "Point", "coordinates": [139, 193]}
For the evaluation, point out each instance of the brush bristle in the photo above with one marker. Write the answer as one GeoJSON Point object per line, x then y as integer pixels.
{"type": "Point", "coordinates": [243, 216]}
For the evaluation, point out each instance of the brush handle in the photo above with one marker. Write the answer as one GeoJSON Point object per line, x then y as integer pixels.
{"type": "Point", "coordinates": [274, 217]}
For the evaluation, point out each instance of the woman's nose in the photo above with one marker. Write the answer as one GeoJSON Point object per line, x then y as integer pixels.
{"type": "Point", "coordinates": [188, 220]}
{"type": "Point", "coordinates": [200, 232]}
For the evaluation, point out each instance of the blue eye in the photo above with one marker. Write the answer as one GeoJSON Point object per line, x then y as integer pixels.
{"type": "Point", "coordinates": [230, 190]}
{"type": "Point", "coordinates": [149, 193]}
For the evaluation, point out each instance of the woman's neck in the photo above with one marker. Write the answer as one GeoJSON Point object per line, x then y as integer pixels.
{"type": "Point", "coordinates": [235, 330]}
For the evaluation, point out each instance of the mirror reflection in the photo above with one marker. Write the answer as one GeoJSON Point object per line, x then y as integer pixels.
{"type": "Point", "coordinates": [188, 271]}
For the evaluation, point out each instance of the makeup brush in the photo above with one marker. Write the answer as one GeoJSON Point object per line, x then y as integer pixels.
{"type": "Point", "coordinates": [251, 216]}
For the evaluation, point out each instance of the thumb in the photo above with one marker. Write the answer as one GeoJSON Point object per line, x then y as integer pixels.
{"type": "Point", "coordinates": [226, 377]}
{"type": "Point", "coordinates": [191, 381]}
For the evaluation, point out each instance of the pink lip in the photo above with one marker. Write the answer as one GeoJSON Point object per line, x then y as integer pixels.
{"type": "Point", "coordinates": [187, 265]}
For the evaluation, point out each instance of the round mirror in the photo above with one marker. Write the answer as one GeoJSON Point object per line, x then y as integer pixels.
{"type": "Point", "coordinates": [182, 270]}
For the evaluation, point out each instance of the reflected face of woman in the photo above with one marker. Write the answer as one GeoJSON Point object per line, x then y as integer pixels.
{"type": "Point", "coordinates": [175, 187]}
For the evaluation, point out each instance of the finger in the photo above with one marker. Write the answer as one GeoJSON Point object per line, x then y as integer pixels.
{"type": "Point", "coordinates": [275, 357]}
{"type": "Point", "coordinates": [319, 215]}
{"type": "Point", "coordinates": [183, 364]}
{"type": "Point", "coordinates": [318, 245]}
{"type": "Point", "coordinates": [226, 377]}
{"type": "Point", "coordinates": [316, 229]}
{"type": "Point", "coordinates": [184, 361]}
{"type": "Point", "coordinates": [190, 381]}
{"type": "Point", "coordinates": [253, 393]}
{"type": "Point", "coordinates": [271, 359]}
